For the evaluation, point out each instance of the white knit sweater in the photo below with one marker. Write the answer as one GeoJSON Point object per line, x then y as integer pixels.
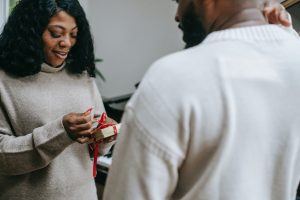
{"type": "Point", "coordinates": [220, 121]}
{"type": "Point", "coordinates": [37, 158]}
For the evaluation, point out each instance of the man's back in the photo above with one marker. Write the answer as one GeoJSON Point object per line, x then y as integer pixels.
{"type": "Point", "coordinates": [249, 126]}
{"type": "Point", "coordinates": [218, 121]}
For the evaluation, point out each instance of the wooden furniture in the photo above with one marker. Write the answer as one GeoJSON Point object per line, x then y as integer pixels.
{"type": "Point", "coordinates": [288, 3]}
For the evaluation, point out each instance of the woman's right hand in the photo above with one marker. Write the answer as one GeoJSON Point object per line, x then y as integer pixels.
{"type": "Point", "coordinates": [78, 126]}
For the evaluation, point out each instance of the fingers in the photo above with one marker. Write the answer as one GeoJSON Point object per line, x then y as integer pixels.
{"type": "Point", "coordinates": [78, 126]}
{"type": "Point", "coordinates": [81, 127]}
{"type": "Point", "coordinates": [284, 19]}
{"type": "Point", "coordinates": [84, 136]}
{"type": "Point", "coordinates": [82, 140]}
{"type": "Point", "coordinates": [81, 118]}
{"type": "Point", "coordinates": [272, 14]}
{"type": "Point", "coordinates": [85, 133]}
{"type": "Point", "coordinates": [276, 14]}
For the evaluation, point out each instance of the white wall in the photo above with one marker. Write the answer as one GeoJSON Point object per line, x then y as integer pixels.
{"type": "Point", "coordinates": [129, 36]}
{"type": "Point", "coordinates": [4, 10]}
{"type": "Point", "coordinates": [84, 4]}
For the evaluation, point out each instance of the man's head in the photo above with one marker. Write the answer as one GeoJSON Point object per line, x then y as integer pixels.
{"type": "Point", "coordinates": [197, 18]}
{"type": "Point", "coordinates": [190, 24]}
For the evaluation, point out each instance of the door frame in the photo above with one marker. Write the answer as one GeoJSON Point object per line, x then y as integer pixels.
{"type": "Point", "coordinates": [4, 11]}
{"type": "Point", "coordinates": [288, 3]}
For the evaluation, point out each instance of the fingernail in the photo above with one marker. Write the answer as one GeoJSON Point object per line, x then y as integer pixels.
{"type": "Point", "coordinates": [88, 111]}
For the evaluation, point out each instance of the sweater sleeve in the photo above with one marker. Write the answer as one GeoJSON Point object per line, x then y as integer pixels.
{"type": "Point", "coordinates": [33, 151]}
{"type": "Point", "coordinates": [149, 150]}
{"type": "Point", "coordinates": [141, 168]}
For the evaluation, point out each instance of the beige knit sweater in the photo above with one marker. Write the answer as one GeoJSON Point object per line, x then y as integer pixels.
{"type": "Point", "coordinates": [37, 158]}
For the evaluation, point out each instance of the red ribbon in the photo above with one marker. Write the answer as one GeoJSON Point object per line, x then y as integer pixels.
{"type": "Point", "coordinates": [101, 124]}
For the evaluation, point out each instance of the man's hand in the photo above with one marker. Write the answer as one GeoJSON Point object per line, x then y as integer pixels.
{"type": "Point", "coordinates": [78, 126]}
{"type": "Point", "coordinates": [275, 13]}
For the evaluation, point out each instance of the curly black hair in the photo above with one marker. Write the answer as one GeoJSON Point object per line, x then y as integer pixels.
{"type": "Point", "coordinates": [21, 45]}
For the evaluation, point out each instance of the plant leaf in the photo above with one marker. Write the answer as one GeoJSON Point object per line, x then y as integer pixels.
{"type": "Point", "coordinates": [100, 74]}
{"type": "Point", "coordinates": [98, 60]}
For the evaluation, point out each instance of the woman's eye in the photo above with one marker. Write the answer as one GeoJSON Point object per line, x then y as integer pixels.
{"type": "Point", "coordinates": [54, 35]}
{"type": "Point", "coordinates": [74, 36]}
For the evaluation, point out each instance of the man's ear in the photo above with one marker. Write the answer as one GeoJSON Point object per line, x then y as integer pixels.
{"type": "Point", "coordinates": [207, 11]}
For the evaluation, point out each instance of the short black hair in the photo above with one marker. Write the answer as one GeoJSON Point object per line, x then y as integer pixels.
{"type": "Point", "coordinates": [21, 45]}
{"type": "Point", "coordinates": [193, 30]}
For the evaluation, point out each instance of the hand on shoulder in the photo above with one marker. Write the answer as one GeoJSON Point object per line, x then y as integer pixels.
{"type": "Point", "coordinates": [275, 13]}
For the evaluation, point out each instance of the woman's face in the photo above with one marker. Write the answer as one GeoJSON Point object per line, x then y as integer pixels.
{"type": "Point", "coordinates": [59, 37]}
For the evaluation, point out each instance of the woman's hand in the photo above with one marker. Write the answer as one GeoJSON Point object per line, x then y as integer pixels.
{"type": "Point", "coordinates": [275, 13]}
{"type": "Point", "coordinates": [78, 126]}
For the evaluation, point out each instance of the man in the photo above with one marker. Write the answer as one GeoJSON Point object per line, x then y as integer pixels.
{"type": "Point", "coordinates": [216, 121]}
{"type": "Point", "coordinates": [194, 33]}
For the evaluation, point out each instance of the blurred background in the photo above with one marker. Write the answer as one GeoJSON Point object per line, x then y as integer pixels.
{"type": "Point", "coordinates": [130, 35]}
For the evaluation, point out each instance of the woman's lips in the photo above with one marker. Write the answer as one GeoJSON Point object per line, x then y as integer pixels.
{"type": "Point", "coordinates": [61, 54]}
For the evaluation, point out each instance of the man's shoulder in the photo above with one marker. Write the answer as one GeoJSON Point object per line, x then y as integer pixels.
{"type": "Point", "coordinates": [181, 70]}
{"type": "Point", "coordinates": [182, 60]}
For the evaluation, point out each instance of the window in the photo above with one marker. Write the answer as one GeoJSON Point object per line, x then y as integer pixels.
{"type": "Point", "coordinates": [3, 12]}
{"type": "Point", "coordinates": [6, 7]}
{"type": "Point", "coordinates": [12, 4]}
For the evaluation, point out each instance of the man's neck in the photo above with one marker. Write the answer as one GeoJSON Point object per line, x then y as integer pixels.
{"type": "Point", "coordinates": [242, 18]}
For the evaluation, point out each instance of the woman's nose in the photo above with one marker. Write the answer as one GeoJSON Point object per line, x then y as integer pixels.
{"type": "Point", "coordinates": [66, 42]}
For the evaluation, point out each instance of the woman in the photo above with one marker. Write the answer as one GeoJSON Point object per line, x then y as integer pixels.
{"type": "Point", "coordinates": [46, 85]}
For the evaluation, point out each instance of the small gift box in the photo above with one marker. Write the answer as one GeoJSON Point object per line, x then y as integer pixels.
{"type": "Point", "coordinates": [102, 133]}
{"type": "Point", "coordinates": [108, 133]}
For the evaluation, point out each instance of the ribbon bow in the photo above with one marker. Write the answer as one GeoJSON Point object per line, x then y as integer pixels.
{"type": "Point", "coordinates": [94, 146]}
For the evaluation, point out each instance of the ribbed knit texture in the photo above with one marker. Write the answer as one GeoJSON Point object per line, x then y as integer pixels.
{"type": "Point", "coordinates": [37, 158]}
{"type": "Point", "coordinates": [220, 121]}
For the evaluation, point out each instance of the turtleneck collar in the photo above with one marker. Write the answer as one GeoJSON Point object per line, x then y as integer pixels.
{"type": "Point", "coordinates": [49, 69]}
{"type": "Point", "coordinates": [252, 33]}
